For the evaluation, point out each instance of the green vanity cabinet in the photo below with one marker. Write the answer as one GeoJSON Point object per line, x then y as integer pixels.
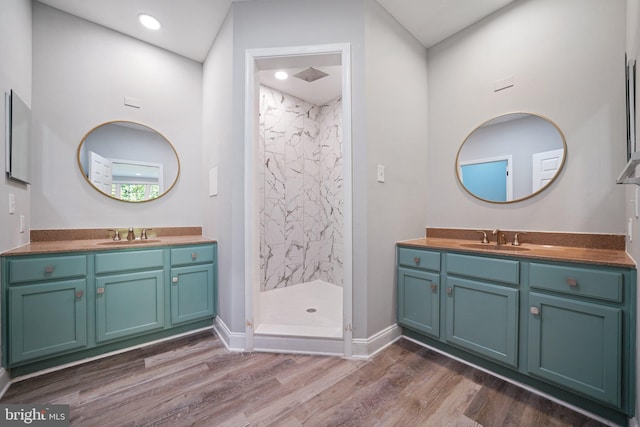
{"type": "Point", "coordinates": [419, 290]}
{"type": "Point", "coordinates": [62, 307]}
{"type": "Point", "coordinates": [576, 328]}
{"type": "Point", "coordinates": [192, 290]}
{"type": "Point", "coordinates": [483, 318]}
{"type": "Point", "coordinates": [482, 304]}
{"type": "Point", "coordinates": [419, 297]}
{"type": "Point", "coordinates": [45, 306]}
{"type": "Point", "coordinates": [565, 328]}
{"type": "Point", "coordinates": [129, 293]}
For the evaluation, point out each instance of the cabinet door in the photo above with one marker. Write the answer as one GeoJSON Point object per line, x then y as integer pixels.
{"type": "Point", "coordinates": [577, 345]}
{"type": "Point", "coordinates": [192, 293]}
{"type": "Point", "coordinates": [129, 304]}
{"type": "Point", "coordinates": [418, 300]}
{"type": "Point", "coordinates": [47, 319]}
{"type": "Point", "coordinates": [483, 318]}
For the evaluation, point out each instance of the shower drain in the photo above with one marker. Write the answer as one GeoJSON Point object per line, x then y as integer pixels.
{"type": "Point", "coordinates": [311, 310]}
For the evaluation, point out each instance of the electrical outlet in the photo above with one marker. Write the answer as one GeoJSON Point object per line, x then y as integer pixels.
{"type": "Point", "coordinates": [630, 229]}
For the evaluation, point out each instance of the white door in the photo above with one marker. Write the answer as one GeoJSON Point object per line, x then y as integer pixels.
{"type": "Point", "coordinates": [545, 167]}
{"type": "Point", "coordinates": [100, 172]}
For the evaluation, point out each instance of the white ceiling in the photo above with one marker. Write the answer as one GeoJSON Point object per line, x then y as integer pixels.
{"type": "Point", "coordinates": [431, 21]}
{"type": "Point", "coordinates": [189, 27]}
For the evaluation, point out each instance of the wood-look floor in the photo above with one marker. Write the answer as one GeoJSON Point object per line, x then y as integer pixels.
{"type": "Point", "coordinates": [195, 381]}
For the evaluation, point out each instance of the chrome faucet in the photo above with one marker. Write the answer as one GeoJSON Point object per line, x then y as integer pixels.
{"type": "Point", "coordinates": [500, 239]}
{"type": "Point", "coordinates": [116, 235]}
{"type": "Point", "coordinates": [143, 233]}
{"type": "Point", "coordinates": [130, 235]}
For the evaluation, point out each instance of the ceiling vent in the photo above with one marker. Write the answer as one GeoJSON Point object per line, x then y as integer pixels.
{"type": "Point", "coordinates": [310, 75]}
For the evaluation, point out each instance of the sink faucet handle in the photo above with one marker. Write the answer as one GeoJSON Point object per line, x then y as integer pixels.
{"type": "Point", "coordinates": [116, 234]}
{"type": "Point", "coordinates": [484, 236]}
{"type": "Point", "coordinates": [143, 233]}
{"type": "Point", "coordinates": [516, 242]}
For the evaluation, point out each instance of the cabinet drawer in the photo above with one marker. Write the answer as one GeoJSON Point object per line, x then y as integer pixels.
{"type": "Point", "coordinates": [494, 269]}
{"type": "Point", "coordinates": [587, 282]}
{"type": "Point", "coordinates": [192, 255]}
{"type": "Point", "coordinates": [47, 268]}
{"type": "Point", "coordinates": [417, 258]}
{"type": "Point", "coordinates": [129, 260]}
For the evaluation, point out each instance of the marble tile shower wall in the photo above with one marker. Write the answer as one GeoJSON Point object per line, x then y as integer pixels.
{"type": "Point", "coordinates": [300, 191]}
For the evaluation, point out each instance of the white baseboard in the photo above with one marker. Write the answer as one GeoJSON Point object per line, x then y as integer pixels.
{"type": "Point", "coordinates": [364, 348]}
{"type": "Point", "coordinates": [234, 341]}
{"type": "Point", "coordinates": [5, 382]}
{"type": "Point", "coordinates": [299, 345]}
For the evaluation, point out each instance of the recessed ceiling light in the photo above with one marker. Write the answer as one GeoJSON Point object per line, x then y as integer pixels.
{"type": "Point", "coordinates": [281, 75]}
{"type": "Point", "coordinates": [149, 21]}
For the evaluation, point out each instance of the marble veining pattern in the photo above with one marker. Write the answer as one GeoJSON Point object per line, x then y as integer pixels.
{"type": "Point", "coordinates": [300, 191]}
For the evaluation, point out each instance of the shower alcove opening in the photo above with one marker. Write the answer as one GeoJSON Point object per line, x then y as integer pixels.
{"type": "Point", "coordinates": [301, 222]}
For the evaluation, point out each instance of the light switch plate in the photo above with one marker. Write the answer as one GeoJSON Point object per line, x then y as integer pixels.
{"type": "Point", "coordinates": [213, 181]}
{"type": "Point", "coordinates": [380, 175]}
{"type": "Point", "coordinates": [12, 203]}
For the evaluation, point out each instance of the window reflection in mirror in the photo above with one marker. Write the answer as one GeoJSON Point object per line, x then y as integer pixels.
{"type": "Point", "coordinates": [128, 161]}
{"type": "Point", "coordinates": [511, 157]}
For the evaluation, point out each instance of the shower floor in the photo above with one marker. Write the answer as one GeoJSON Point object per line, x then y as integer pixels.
{"type": "Point", "coordinates": [312, 309]}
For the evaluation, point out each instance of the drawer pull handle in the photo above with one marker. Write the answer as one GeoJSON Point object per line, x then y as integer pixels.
{"type": "Point", "coordinates": [49, 269]}
{"type": "Point", "coordinates": [417, 260]}
{"type": "Point", "coordinates": [572, 282]}
{"type": "Point", "coordinates": [535, 310]}
{"type": "Point", "coordinates": [79, 294]}
{"type": "Point", "coordinates": [100, 291]}
{"type": "Point", "coordinates": [194, 256]}
{"type": "Point", "coordinates": [449, 291]}
{"type": "Point", "coordinates": [434, 287]}
{"type": "Point", "coordinates": [174, 279]}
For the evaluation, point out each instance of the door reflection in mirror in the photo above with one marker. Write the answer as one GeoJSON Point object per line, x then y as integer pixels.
{"type": "Point", "coordinates": [511, 157]}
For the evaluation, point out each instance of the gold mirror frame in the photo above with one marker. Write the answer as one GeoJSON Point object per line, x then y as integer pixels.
{"type": "Point", "coordinates": [503, 119]}
{"type": "Point", "coordinates": [81, 156]}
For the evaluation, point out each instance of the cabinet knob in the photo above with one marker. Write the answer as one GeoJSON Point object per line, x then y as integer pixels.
{"type": "Point", "coordinates": [79, 294]}
{"type": "Point", "coordinates": [572, 282]}
{"type": "Point", "coordinates": [100, 291]}
{"type": "Point", "coordinates": [49, 269]}
{"type": "Point", "coordinates": [194, 256]}
{"type": "Point", "coordinates": [449, 291]}
{"type": "Point", "coordinates": [434, 287]}
{"type": "Point", "coordinates": [174, 279]}
{"type": "Point", "coordinates": [535, 310]}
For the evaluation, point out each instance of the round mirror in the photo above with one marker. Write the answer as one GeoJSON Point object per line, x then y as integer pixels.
{"type": "Point", "coordinates": [511, 157]}
{"type": "Point", "coordinates": [128, 161]}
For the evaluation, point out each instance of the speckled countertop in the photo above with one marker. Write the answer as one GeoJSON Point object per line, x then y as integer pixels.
{"type": "Point", "coordinates": [580, 248]}
{"type": "Point", "coordinates": [55, 241]}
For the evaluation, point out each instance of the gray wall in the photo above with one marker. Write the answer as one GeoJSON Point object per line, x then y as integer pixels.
{"type": "Point", "coordinates": [381, 132]}
{"type": "Point", "coordinates": [566, 58]}
{"type": "Point", "coordinates": [396, 137]}
{"type": "Point", "coordinates": [15, 73]}
{"type": "Point", "coordinates": [218, 146]}
{"type": "Point", "coordinates": [82, 72]}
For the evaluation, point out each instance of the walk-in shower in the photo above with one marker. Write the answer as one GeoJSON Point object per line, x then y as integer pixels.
{"type": "Point", "coordinates": [300, 216]}
{"type": "Point", "coordinates": [298, 227]}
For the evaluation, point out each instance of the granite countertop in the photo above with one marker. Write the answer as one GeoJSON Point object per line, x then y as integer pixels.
{"type": "Point", "coordinates": [56, 241]}
{"type": "Point", "coordinates": [585, 255]}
